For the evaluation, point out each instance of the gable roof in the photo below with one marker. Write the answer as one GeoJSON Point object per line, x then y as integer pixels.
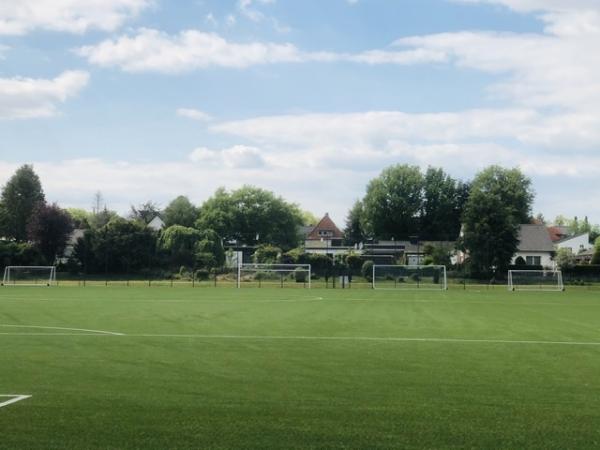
{"type": "Point", "coordinates": [156, 224]}
{"type": "Point", "coordinates": [325, 224]}
{"type": "Point", "coordinates": [568, 238]}
{"type": "Point", "coordinates": [534, 238]}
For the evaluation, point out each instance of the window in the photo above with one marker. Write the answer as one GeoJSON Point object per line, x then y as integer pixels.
{"type": "Point", "coordinates": [534, 260]}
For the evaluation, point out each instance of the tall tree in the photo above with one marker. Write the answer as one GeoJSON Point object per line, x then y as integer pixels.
{"type": "Point", "coordinates": [252, 216]}
{"type": "Point", "coordinates": [500, 200]}
{"type": "Point", "coordinates": [354, 232]}
{"type": "Point", "coordinates": [393, 203]}
{"type": "Point", "coordinates": [180, 212]}
{"type": "Point", "coordinates": [49, 230]}
{"type": "Point", "coordinates": [20, 196]}
{"type": "Point", "coordinates": [443, 202]}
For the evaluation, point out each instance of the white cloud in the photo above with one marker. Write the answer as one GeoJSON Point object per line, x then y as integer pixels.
{"type": "Point", "coordinates": [357, 129]}
{"type": "Point", "coordinates": [19, 17]}
{"type": "Point", "coordinates": [236, 157]}
{"type": "Point", "coordinates": [194, 114]}
{"type": "Point", "coordinates": [24, 98]}
{"type": "Point", "coordinates": [152, 50]}
{"type": "Point", "coordinates": [461, 142]}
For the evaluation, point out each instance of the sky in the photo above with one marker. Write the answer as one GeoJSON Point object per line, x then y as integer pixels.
{"type": "Point", "coordinates": [150, 99]}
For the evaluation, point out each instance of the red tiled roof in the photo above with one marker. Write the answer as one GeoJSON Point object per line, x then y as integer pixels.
{"type": "Point", "coordinates": [556, 233]}
{"type": "Point", "coordinates": [325, 224]}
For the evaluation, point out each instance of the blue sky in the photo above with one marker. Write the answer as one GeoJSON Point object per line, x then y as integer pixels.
{"type": "Point", "coordinates": [149, 99]}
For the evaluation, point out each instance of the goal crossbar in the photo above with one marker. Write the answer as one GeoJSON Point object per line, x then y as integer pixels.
{"type": "Point", "coordinates": [405, 277]}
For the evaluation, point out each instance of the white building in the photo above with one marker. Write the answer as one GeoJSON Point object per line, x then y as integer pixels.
{"type": "Point", "coordinates": [156, 224]}
{"type": "Point", "coordinates": [577, 244]}
{"type": "Point", "coordinates": [535, 246]}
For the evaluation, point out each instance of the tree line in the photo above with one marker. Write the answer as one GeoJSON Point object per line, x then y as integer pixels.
{"type": "Point", "coordinates": [403, 202]}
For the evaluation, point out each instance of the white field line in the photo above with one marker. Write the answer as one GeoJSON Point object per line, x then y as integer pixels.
{"type": "Point", "coordinates": [13, 399]}
{"type": "Point", "coordinates": [321, 338]}
{"type": "Point", "coordinates": [61, 329]}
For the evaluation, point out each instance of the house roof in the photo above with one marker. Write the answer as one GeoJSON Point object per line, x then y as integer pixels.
{"type": "Point", "coordinates": [157, 223]}
{"type": "Point", "coordinates": [568, 238]}
{"type": "Point", "coordinates": [558, 233]}
{"type": "Point", "coordinates": [305, 230]}
{"type": "Point", "coordinates": [534, 238]}
{"type": "Point", "coordinates": [325, 225]}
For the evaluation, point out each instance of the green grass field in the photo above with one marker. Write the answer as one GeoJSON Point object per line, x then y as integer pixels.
{"type": "Point", "coordinates": [298, 368]}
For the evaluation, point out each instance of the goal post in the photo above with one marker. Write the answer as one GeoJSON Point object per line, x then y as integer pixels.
{"type": "Point", "coordinates": [274, 275]}
{"type": "Point", "coordinates": [29, 276]}
{"type": "Point", "coordinates": [409, 277]}
{"type": "Point", "coordinates": [535, 280]}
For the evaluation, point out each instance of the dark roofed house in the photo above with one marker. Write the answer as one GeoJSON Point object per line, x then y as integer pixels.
{"type": "Point", "coordinates": [535, 246]}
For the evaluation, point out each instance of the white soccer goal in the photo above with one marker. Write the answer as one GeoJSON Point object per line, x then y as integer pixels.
{"type": "Point", "coordinates": [535, 280]}
{"type": "Point", "coordinates": [409, 277]}
{"type": "Point", "coordinates": [29, 276]}
{"type": "Point", "coordinates": [274, 275]}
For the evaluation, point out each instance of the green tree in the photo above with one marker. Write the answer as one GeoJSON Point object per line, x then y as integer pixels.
{"type": "Point", "coordinates": [179, 244]}
{"type": "Point", "coordinates": [596, 256]}
{"type": "Point", "coordinates": [438, 254]}
{"type": "Point", "coordinates": [121, 246]}
{"type": "Point", "coordinates": [180, 212]}
{"type": "Point", "coordinates": [145, 212]}
{"type": "Point", "coordinates": [444, 199]}
{"type": "Point", "coordinates": [367, 270]}
{"type": "Point", "coordinates": [267, 253]}
{"type": "Point", "coordinates": [80, 217]}
{"type": "Point", "coordinates": [354, 232]}
{"type": "Point", "coordinates": [49, 230]}
{"type": "Point", "coordinates": [209, 250]}
{"type": "Point", "coordinates": [102, 218]}
{"type": "Point", "coordinates": [393, 203]}
{"type": "Point", "coordinates": [251, 216]}
{"type": "Point", "coordinates": [564, 258]}
{"type": "Point", "coordinates": [499, 201]}
{"type": "Point", "coordinates": [309, 218]}
{"type": "Point", "coordinates": [20, 196]}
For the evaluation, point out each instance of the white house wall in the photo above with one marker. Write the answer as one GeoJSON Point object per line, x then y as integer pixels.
{"type": "Point", "coordinates": [576, 243]}
{"type": "Point", "coordinates": [545, 258]}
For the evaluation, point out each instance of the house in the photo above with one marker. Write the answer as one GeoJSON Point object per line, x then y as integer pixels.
{"type": "Point", "coordinates": [390, 251]}
{"type": "Point", "coordinates": [156, 224]}
{"type": "Point", "coordinates": [577, 244]}
{"type": "Point", "coordinates": [325, 238]}
{"type": "Point", "coordinates": [584, 257]}
{"type": "Point", "coordinates": [535, 246]}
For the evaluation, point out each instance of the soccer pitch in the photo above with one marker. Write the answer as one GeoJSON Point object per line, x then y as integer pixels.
{"type": "Point", "coordinates": [182, 368]}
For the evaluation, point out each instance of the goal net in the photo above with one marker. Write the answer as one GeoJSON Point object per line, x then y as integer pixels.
{"type": "Point", "coordinates": [535, 280]}
{"type": "Point", "coordinates": [29, 276]}
{"type": "Point", "coordinates": [409, 277]}
{"type": "Point", "coordinates": [274, 275]}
